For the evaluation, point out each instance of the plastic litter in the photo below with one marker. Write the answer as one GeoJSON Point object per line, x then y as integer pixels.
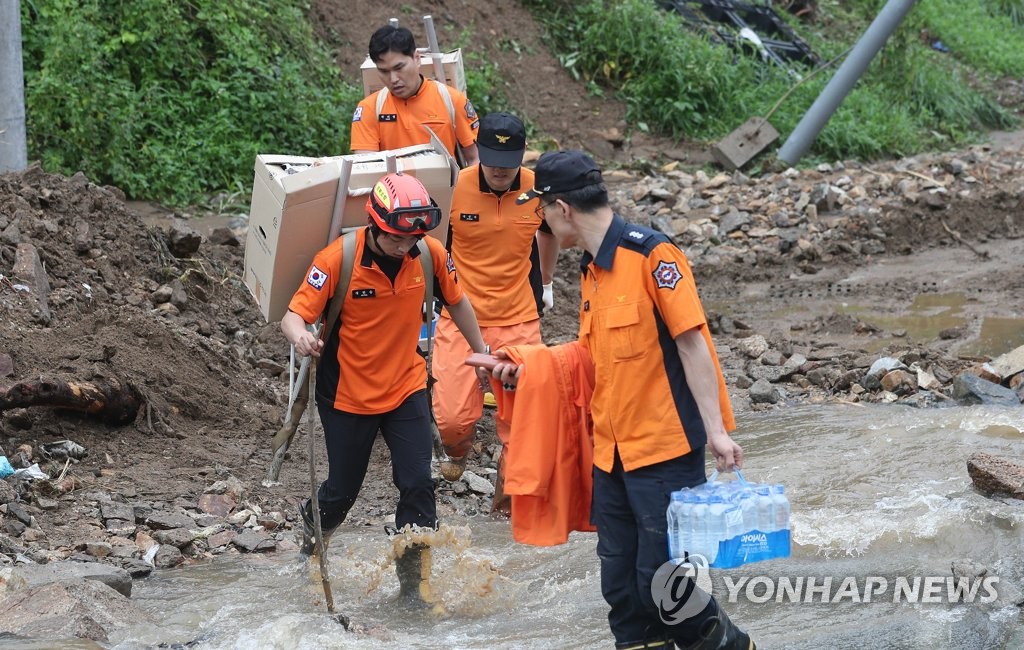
{"type": "Point", "coordinates": [32, 472]}
{"type": "Point", "coordinates": [5, 467]}
{"type": "Point", "coordinates": [64, 449]}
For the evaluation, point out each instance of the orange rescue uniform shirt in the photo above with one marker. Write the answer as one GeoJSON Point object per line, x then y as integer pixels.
{"type": "Point", "coordinates": [637, 295]}
{"type": "Point", "coordinates": [400, 121]}
{"type": "Point", "coordinates": [370, 362]}
{"type": "Point", "coordinates": [493, 244]}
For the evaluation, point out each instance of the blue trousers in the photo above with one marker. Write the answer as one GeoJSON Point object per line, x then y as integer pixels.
{"type": "Point", "coordinates": [350, 438]}
{"type": "Point", "coordinates": [632, 542]}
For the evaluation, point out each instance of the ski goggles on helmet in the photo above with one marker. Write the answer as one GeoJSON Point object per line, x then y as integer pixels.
{"type": "Point", "coordinates": [411, 220]}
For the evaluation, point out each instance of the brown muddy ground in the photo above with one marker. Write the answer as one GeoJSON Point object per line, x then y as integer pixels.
{"type": "Point", "coordinates": [210, 369]}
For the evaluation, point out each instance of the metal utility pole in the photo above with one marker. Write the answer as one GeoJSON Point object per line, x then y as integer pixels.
{"type": "Point", "coordinates": [13, 151]}
{"type": "Point", "coordinates": [846, 77]}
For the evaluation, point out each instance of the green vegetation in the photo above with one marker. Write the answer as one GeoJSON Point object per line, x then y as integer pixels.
{"type": "Point", "coordinates": [171, 101]}
{"type": "Point", "coordinates": [677, 82]}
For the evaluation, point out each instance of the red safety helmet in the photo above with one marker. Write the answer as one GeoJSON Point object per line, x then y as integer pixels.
{"type": "Point", "coordinates": [400, 205]}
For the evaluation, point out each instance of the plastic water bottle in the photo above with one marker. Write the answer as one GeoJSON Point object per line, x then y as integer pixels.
{"type": "Point", "coordinates": [748, 509]}
{"type": "Point", "coordinates": [698, 532]}
{"type": "Point", "coordinates": [716, 525]}
{"type": "Point", "coordinates": [765, 509]}
{"type": "Point", "coordinates": [733, 515]}
{"type": "Point", "coordinates": [780, 507]}
{"type": "Point", "coordinates": [679, 511]}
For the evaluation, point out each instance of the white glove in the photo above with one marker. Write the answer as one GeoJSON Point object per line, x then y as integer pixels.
{"type": "Point", "coordinates": [548, 297]}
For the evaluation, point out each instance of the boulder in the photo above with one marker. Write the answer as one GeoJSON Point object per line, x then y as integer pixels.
{"type": "Point", "coordinates": [995, 475]}
{"type": "Point", "coordinates": [85, 609]}
{"type": "Point", "coordinates": [972, 389]}
{"type": "Point", "coordinates": [36, 575]}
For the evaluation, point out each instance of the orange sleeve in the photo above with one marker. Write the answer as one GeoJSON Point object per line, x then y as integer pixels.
{"type": "Point", "coordinates": [365, 132]}
{"type": "Point", "coordinates": [317, 288]}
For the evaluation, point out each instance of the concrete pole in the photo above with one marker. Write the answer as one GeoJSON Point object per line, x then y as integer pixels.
{"type": "Point", "coordinates": [811, 124]}
{"type": "Point", "coordinates": [13, 152]}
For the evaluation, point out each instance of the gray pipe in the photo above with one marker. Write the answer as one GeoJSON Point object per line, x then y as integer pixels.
{"type": "Point", "coordinates": [813, 121]}
{"type": "Point", "coordinates": [13, 152]}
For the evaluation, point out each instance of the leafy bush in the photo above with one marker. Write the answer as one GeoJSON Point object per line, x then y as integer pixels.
{"type": "Point", "coordinates": [676, 82]}
{"type": "Point", "coordinates": [172, 100]}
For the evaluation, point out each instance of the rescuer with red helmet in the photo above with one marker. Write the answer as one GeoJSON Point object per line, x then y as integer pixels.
{"type": "Point", "coordinates": [371, 376]}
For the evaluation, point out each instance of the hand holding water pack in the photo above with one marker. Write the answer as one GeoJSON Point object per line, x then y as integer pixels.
{"type": "Point", "coordinates": [730, 524]}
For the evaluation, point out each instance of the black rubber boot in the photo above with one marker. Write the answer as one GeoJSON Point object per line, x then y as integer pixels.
{"type": "Point", "coordinates": [307, 545]}
{"type": "Point", "coordinates": [719, 633]}
{"type": "Point", "coordinates": [413, 569]}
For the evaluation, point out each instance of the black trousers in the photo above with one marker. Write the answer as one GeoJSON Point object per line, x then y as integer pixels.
{"type": "Point", "coordinates": [350, 438]}
{"type": "Point", "coordinates": [632, 542]}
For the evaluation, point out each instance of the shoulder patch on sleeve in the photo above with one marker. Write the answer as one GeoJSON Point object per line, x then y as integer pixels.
{"type": "Point", "coordinates": [667, 275]}
{"type": "Point", "coordinates": [450, 266]}
{"type": "Point", "coordinates": [470, 110]}
{"type": "Point", "coordinates": [316, 278]}
{"type": "Point", "coordinates": [358, 115]}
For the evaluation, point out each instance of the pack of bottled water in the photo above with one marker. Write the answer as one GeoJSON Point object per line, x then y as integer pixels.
{"type": "Point", "coordinates": [729, 523]}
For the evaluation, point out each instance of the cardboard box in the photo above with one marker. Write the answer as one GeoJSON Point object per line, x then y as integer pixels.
{"type": "Point", "coordinates": [454, 73]}
{"type": "Point", "coordinates": [293, 204]}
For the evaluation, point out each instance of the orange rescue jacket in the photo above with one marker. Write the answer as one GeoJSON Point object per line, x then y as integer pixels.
{"type": "Point", "coordinates": [548, 471]}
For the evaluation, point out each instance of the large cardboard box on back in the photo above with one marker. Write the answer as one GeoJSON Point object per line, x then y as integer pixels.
{"type": "Point", "coordinates": [293, 204]}
{"type": "Point", "coordinates": [454, 73]}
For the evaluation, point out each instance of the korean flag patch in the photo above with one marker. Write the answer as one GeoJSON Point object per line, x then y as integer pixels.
{"type": "Point", "coordinates": [358, 115]}
{"type": "Point", "coordinates": [667, 275]}
{"type": "Point", "coordinates": [316, 278]}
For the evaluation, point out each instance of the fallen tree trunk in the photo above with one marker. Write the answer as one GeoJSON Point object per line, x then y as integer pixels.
{"type": "Point", "coordinates": [111, 401]}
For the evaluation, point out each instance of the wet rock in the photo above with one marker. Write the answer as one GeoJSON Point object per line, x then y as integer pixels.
{"type": "Point", "coordinates": [167, 557]}
{"type": "Point", "coordinates": [901, 382]}
{"type": "Point", "coordinates": [972, 389]}
{"type": "Point", "coordinates": [251, 542]}
{"type": "Point", "coordinates": [35, 575]}
{"type": "Point", "coordinates": [477, 483]}
{"type": "Point", "coordinates": [86, 609]}
{"type": "Point", "coordinates": [996, 475]}
{"type": "Point", "coordinates": [763, 392]}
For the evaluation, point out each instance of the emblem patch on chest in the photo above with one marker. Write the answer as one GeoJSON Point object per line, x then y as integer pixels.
{"type": "Point", "coordinates": [364, 293]}
{"type": "Point", "coordinates": [667, 275]}
{"type": "Point", "coordinates": [469, 217]}
{"type": "Point", "coordinates": [387, 117]}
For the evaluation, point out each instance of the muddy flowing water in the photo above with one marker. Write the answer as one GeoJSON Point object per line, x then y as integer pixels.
{"type": "Point", "coordinates": [878, 493]}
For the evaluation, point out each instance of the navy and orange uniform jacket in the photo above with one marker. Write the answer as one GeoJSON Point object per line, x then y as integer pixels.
{"type": "Point", "coordinates": [637, 295]}
{"type": "Point", "coordinates": [370, 363]}
{"type": "Point", "coordinates": [492, 241]}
